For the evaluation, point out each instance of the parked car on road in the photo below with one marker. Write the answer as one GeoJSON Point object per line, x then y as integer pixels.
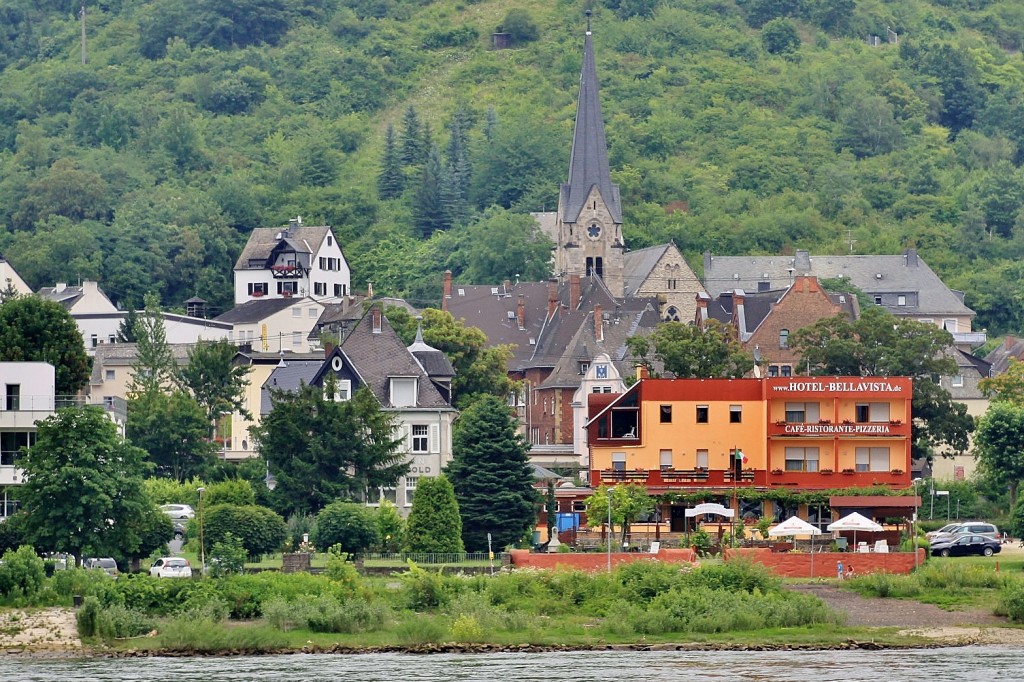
{"type": "Point", "coordinates": [105, 564]}
{"type": "Point", "coordinates": [987, 530]}
{"type": "Point", "coordinates": [171, 567]}
{"type": "Point", "coordinates": [948, 528]}
{"type": "Point", "coordinates": [178, 511]}
{"type": "Point", "coordinates": [965, 544]}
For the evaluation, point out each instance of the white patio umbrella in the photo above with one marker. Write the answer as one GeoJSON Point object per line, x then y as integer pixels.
{"type": "Point", "coordinates": [855, 522]}
{"type": "Point", "coordinates": [794, 525]}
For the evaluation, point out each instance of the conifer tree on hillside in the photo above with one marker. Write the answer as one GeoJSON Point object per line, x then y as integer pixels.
{"type": "Point", "coordinates": [429, 211]}
{"type": "Point", "coordinates": [434, 523]}
{"type": "Point", "coordinates": [390, 182]}
{"type": "Point", "coordinates": [414, 143]}
{"type": "Point", "coordinates": [458, 170]}
{"type": "Point", "coordinates": [492, 476]}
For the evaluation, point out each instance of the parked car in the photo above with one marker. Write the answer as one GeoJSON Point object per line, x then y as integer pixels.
{"type": "Point", "coordinates": [105, 564]}
{"type": "Point", "coordinates": [987, 530]}
{"type": "Point", "coordinates": [948, 528]}
{"type": "Point", "coordinates": [180, 528]}
{"type": "Point", "coordinates": [964, 544]}
{"type": "Point", "coordinates": [171, 567]}
{"type": "Point", "coordinates": [178, 511]}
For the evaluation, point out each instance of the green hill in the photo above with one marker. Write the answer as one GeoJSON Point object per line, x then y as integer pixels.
{"type": "Point", "coordinates": [754, 126]}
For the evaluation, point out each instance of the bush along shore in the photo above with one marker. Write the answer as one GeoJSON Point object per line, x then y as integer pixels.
{"type": "Point", "coordinates": [641, 606]}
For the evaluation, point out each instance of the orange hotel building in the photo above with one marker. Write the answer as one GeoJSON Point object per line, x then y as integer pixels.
{"type": "Point", "coordinates": [797, 433]}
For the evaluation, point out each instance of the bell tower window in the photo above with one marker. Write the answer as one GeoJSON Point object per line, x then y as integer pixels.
{"type": "Point", "coordinates": [595, 266]}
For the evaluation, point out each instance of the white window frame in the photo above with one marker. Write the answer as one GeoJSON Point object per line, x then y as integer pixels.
{"type": "Point", "coordinates": [618, 461]}
{"type": "Point", "coordinates": [402, 391]}
{"type": "Point", "coordinates": [803, 413]}
{"type": "Point", "coordinates": [957, 380]}
{"type": "Point", "coordinates": [873, 459]}
{"type": "Point", "coordinates": [419, 439]}
{"type": "Point", "coordinates": [802, 458]}
{"type": "Point", "coordinates": [702, 459]}
{"type": "Point", "coordinates": [665, 457]}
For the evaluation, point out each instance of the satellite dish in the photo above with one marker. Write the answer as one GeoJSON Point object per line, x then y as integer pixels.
{"type": "Point", "coordinates": [336, 363]}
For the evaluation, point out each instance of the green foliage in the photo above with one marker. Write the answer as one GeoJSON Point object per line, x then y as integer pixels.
{"type": "Point", "coordinates": [687, 351]}
{"type": "Point", "coordinates": [260, 530]}
{"type": "Point", "coordinates": [234, 491]}
{"type": "Point", "coordinates": [83, 487]}
{"type": "Point", "coordinates": [118, 622]}
{"type": "Point", "coordinates": [154, 367]}
{"type": "Point", "coordinates": [33, 329]}
{"type": "Point", "coordinates": [999, 447]}
{"type": "Point", "coordinates": [227, 556]}
{"type": "Point", "coordinates": [1012, 602]}
{"type": "Point", "coordinates": [88, 616]}
{"type": "Point", "coordinates": [390, 527]}
{"type": "Point", "coordinates": [349, 525]}
{"type": "Point", "coordinates": [520, 26]}
{"type": "Point", "coordinates": [341, 570]}
{"type": "Point", "coordinates": [434, 523]}
{"type": "Point", "coordinates": [311, 445]}
{"type": "Point", "coordinates": [488, 449]}
{"type": "Point", "coordinates": [214, 380]}
{"type": "Point", "coordinates": [172, 428]}
{"type": "Point", "coordinates": [779, 36]}
{"type": "Point", "coordinates": [21, 573]}
{"type": "Point", "coordinates": [423, 590]}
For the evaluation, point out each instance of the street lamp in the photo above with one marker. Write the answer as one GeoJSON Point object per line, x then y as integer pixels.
{"type": "Point", "coordinates": [202, 544]}
{"type": "Point", "coordinates": [269, 479]}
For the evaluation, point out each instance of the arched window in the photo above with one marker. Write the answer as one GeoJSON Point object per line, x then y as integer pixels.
{"type": "Point", "coordinates": [672, 314]}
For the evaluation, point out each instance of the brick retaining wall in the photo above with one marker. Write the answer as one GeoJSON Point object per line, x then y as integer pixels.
{"type": "Point", "coordinates": [594, 561]}
{"type": "Point", "coordinates": [798, 564]}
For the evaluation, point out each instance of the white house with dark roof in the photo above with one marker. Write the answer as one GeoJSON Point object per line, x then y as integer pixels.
{"type": "Point", "coordinates": [413, 383]}
{"type": "Point", "coordinates": [292, 261]}
{"type": "Point", "coordinates": [902, 284]}
{"type": "Point", "coordinates": [275, 324]}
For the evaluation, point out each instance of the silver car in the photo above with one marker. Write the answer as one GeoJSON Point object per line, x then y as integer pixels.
{"type": "Point", "coordinates": [178, 511]}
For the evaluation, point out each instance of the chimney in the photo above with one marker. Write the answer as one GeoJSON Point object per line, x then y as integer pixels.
{"type": "Point", "coordinates": [507, 284]}
{"type": "Point", "coordinates": [598, 325]}
{"type": "Point", "coordinates": [521, 312]}
{"type": "Point", "coordinates": [739, 319]}
{"type": "Point", "coordinates": [574, 291]}
{"type": "Point", "coordinates": [369, 289]}
{"type": "Point", "coordinates": [328, 349]}
{"type": "Point", "coordinates": [376, 319]}
{"type": "Point", "coordinates": [552, 297]}
{"type": "Point", "coordinates": [1008, 342]}
{"type": "Point", "coordinates": [447, 290]}
{"type": "Point", "coordinates": [802, 262]}
{"type": "Point", "coordinates": [89, 286]}
{"type": "Point", "coordinates": [641, 372]}
{"type": "Point", "coordinates": [61, 286]}
{"type": "Point", "coordinates": [910, 258]}
{"type": "Point", "coordinates": [702, 310]}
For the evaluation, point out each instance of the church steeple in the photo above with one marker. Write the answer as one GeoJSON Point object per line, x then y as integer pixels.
{"type": "Point", "coordinates": [589, 216]}
{"type": "Point", "coordinates": [588, 164]}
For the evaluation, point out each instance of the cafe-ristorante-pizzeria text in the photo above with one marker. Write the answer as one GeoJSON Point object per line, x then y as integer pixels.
{"type": "Point", "coordinates": [780, 431]}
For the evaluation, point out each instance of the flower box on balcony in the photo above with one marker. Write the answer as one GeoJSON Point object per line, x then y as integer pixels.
{"type": "Point", "coordinates": [257, 294]}
{"type": "Point", "coordinates": [849, 471]}
{"type": "Point", "coordinates": [847, 421]}
{"type": "Point", "coordinates": [826, 472]}
{"type": "Point", "coordinates": [897, 472]}
{"type": "Point", "coordinates": [780, 422]}
{"type": "Point", "coordinates": [776, 472]}
{"type": "Point", "coordinates": [824, 421]}
{"type": "Point", "coordinates": [895, 422]}
{"type": "Point", "coordinates": [283, 268]}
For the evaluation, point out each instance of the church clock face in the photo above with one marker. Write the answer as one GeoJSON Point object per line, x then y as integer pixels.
{"type": "Point", "coordinates": [594, 231]}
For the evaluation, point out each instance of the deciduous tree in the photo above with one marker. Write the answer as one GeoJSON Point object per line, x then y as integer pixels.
{"type": "Point", "coordinates": [490, 472]}
{"type": "Point", "coordinates": [689, 352]}
{"type": "Point", "coordinates": [999, 445]}
{"type": "Point", "coordinates": [173, 429]}
{"type": "Point", "coordinates": [214, 380]}
{"type": "Point", "coordinates": [351, 525]}
{"type": "Point", "coordinates": [83, 489]}
{"type": "Point", "coordinates": [36, 330]}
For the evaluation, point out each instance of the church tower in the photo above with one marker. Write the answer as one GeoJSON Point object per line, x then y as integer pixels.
{"type": "Point", "coordinates": [589, 218]}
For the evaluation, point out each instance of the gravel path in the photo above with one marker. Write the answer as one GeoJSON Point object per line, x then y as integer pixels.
{"type": "Point", "coordinates": [868, 612]}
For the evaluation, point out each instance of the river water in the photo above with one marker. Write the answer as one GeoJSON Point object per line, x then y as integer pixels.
{"type": "Point", "coordinates": [963, 664]}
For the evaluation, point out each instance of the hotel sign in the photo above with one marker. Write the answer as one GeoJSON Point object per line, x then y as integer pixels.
{"type": "Point", "coordinates": [839, 429]}
{"type": "Point", "coordinates": [840, 386]}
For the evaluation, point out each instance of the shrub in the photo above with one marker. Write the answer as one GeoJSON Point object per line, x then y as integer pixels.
{"type": "Point", "coordinates": [186, 634]}
{"type": "Point", "coordinates": [351, 526]}
{"type": "Point", "coordinates": [22, 572]}
{"type": "Point", "coordinates": [12, 532]}
{"type": "Point", "coordinates": [260, 530]}
{"type": "Point", "coordinates": [423, 589]}
{"type": "Point", "coordinates": [87, 617]}
{"type": "Point", "coordinates": [420, 630]}
{"type": "Point", "coordinates": [282, 615]}
{"type": "Point", "coordinates": [390, 527]}
{"type": "Point", "coordinates": [467, 629]}
{"type": "Point", "coordinates": [434, 523]}
{"type": "Point", "coordinates": [779, 36]}
{"type": "Point", "coordinates": [886, 585]}
{"type": "Point", "coordinates": [227, 556]}
{"type": "Point", "coordinates": [300, 525]}
{"type": "Point", "coordinates": [520, 26]}
{"type": "Point", "coordinates": [734, 576]}
{"type": "Point", "coordinates": [1012, 602]}
{"type": "Point", "coordinates": [236, 491]}
{"type": "Point", "coordinates": [116, 622]}
{"type": "Point", "coordinates": [341, 570]}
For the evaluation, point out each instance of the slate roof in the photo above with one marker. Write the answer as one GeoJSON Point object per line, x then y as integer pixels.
{"type": "Point", "coordinates": [492, 309]}
{"type": "Point", "coordinates": [637, 266]}
{"type": "Point", "coordinates": [252, 312]}
{"type": "Point", "coordinates": [999, 358]}
{"type": "Point", "coordinates": [434, 362]}
{"type": "Point", "coordinates": [124, 355]}
{"type": "Point", "coordinates": [875, 275]}
{"type": "Point", "coordinates": [66, 296]}
{"type": "Point", "coordinates": [288, 377]}
{"type": "Point", "coordinates": [559, 331]}
{"type": "Point", "coordinates": [588, 164]}
{"type": "Point", "coordinates": [634, 316]}
{"type": "Point", "coordinates": [262, 241]}
{"type": "Point", "coordinates": [757, 306]}
{"type": "Point", "coordinates": [378, 356]}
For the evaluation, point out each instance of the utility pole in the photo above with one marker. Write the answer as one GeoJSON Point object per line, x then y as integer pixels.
{"type": "Point", "coordinates": [82, 15]}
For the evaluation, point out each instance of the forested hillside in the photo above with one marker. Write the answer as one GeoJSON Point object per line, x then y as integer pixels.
{"type": "Point", "coordinates": [736, 126]}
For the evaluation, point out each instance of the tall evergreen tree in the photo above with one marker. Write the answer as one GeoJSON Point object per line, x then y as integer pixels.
{"type": "Point", "coordinates": [415, 144]}
{"type": "Point", "coordinates": [429, 211]}
{"type": "Point", "coordinates": [458, 170]}
{"type": "Point", "coordinates": [492, 477]}
{"type": "Point", "coordinates": [154, 368]}
{"type": "Point", "coordinates": [129, 323]}
{"type": "Point", "coordinates": [214, 380]}
{"type": "Point", "coordinates": [390, 182]}
{"type": "Point", "coordinates": [434, 523]}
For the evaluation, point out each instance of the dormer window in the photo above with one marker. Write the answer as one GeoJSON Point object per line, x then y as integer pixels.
{"type": "Point", "coordinates": [403, 391]}
{"type": "Point", "coordinates": [584, 366]}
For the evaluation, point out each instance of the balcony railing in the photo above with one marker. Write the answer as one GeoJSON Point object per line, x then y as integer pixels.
{"type": "Point", "coordinates": [288, 271]}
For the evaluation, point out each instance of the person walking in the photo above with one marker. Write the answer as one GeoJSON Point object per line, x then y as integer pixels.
{"type": "Point", "coordinates": [839, 570]}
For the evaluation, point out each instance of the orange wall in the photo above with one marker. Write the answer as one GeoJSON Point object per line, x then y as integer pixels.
{"type": "Point", "coordinates": [798, 564]}
{"type": "Point", "coordinates": [593, 561]}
